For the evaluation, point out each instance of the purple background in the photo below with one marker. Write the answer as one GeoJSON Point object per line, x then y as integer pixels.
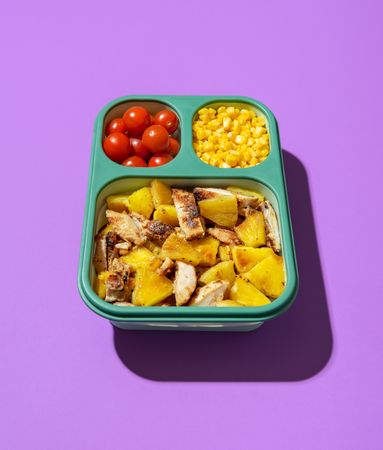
{"type": "Point", "coordinates": [311, 378]}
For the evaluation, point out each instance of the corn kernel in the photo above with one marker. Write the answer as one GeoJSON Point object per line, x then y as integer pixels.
{"type": "Point", "coordinates": [239, 139]}
{"type": "Point", "coordinates": [216, 125]}
{"type": "Point", "coordinates": [231, 112]}
{"type": "Point", "coordinates": [207, 146]}
{"type": "Point", "coordinates": [254, 161]}
{"type": "Point", "coordinates": [227, 123]}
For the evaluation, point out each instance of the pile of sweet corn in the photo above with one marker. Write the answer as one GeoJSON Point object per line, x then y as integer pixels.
{"type": "Point", "coordinates": [230, 137]}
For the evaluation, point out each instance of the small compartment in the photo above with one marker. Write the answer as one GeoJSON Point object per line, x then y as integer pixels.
{"type": "Point", "coordinates": [153, 107]}
{"type": "Point", "coordinates": [129, 185]}
{"type": "Point", "coordinates": [231, 134]}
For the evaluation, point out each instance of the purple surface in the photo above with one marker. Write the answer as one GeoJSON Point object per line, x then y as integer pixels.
{"type": "Point", "coordinates": [310, 379]}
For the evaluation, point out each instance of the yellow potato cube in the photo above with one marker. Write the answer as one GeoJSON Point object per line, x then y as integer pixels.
{"type": "Point", "coordinates": [140, 257]}
{"type": "Point", "coordinates": [150, 288]}
{"type": "Point", "coordinates": [161, 193]}
{"type": "Point", "coordinates": [221, 271]}
{"type": "Point", "coordinates": [141, 202]}
{"type": "Point", "coordinates": [100, 285]}
{"type": "Point", "coordinates": [252, 230]}
{"type": "Point", "coordinates": [268, 276]}
{"type": "Point", "coordinates": [246, 258]}
{"type": "Point", "coordinates": [166, 214]}
{"type": "Point", "coordinates": [118, 203]}
{"type": "Point", "coordinates": [177, 248]}
{"type": "Point", "coordinates": [207, 248]}
{"type": "Point", "coordinates": [247, 294]}
{"type": "Point", "coordinates": [220, 210]}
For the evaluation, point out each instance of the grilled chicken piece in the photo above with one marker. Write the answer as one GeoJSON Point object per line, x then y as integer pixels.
{"type": "Point", "coordinates": [166, 267]}
{"type": "Point", "coordinates": [115, 288]}
{"type": "Point", "coordinates": [157, 230]}
{"type": "Point", "coordinates": [100, 258]}
{"type": "Point", "coordinates": [226, 236]}
{"type": "Point", "coordinates": [120, 267]}
{"type": "Point", "coordinates": [128, 226]}
{"type": "Point", "coordinates": [185, 282]}
{"type": "Point", "coordinates": [111, 250]}
{"type": "Point", "coordinates": [248, 211]}
{"type": "Point", "coordinates": [273, 237]}
{"type": "Point", "coordinates": [188, 216]}
{"type": "Point", "coordinates": [207, 193]}
{"type": "Point", "coordinates": [121, 271]}
{"type": "Point", "coordinates": [210, 294]}
{"type": "Point", "coordinates": [105, 251]}
{"type": "Point", "coordinates": [124, 247]}
{"type": "Point", "coordinates": [245, 202]}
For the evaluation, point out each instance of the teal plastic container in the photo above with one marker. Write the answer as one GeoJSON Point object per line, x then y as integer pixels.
{"type": "Point", "coordinates": [186, 170]}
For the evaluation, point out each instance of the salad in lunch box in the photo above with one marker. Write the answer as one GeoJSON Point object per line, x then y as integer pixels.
{"type": "Point", "coordinates": [166, 246]}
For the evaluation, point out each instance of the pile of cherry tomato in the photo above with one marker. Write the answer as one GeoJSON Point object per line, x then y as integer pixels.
{"type": "Point", "coordinates": [138, 139]}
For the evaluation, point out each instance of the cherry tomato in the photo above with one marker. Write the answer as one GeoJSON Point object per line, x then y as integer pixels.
{"type": "Point", "coordinates": [156, 138]}
{"type": "Point", "coordinates": [117, 147]}
{"type": "Point", "coordinates": [140, 149]}
{"type": "Point", "coordinates": [116, 126]}
{"type": "Point", "coordinates": [159, 159]}
{"type": "Point", "coordinates": [174, 147]}
{"type": "Point", "coordinates": [167, 119]}
{"type": "Point", "coordinates": [137, 119]}
{"type": "Point", "coordinates": [134, 161]}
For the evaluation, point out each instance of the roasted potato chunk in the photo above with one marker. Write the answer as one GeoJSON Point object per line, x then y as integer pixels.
{"type": "Point", "coordinates": [246, 258]}
{"type": "Point", "coordinates": [141, 257]}
{"type": "Point", "coordinates": [221, 210]}
{"type": "Point", "coordinates": [268, 276]}
{"type": "Point", "coordinates": [150, 288]}
{"type": "Point", "coordinates": [246, 294]}
{"type": "Point", "coordinates": [118, 203]}
{"type": "Point", "coordinates": [100, 286]}
{"type": "Point", "coordinates": [167, 214]}
{"type": "Point", "coordinates": [161, 193]}
{"type": "Point", "coordinates": [141, 202]}
{"type": "Point", "coordinates": [207, 247]}
{"type": "Point", "coordinates": [221, 271]}
{"type": "Point", "coordinates": [177, 248]}
{"type": "Point", "coordinates": [252, 230]}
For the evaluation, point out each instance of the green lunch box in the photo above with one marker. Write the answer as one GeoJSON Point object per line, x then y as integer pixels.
{"type": "Point", "coordinates": [185, 170]}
